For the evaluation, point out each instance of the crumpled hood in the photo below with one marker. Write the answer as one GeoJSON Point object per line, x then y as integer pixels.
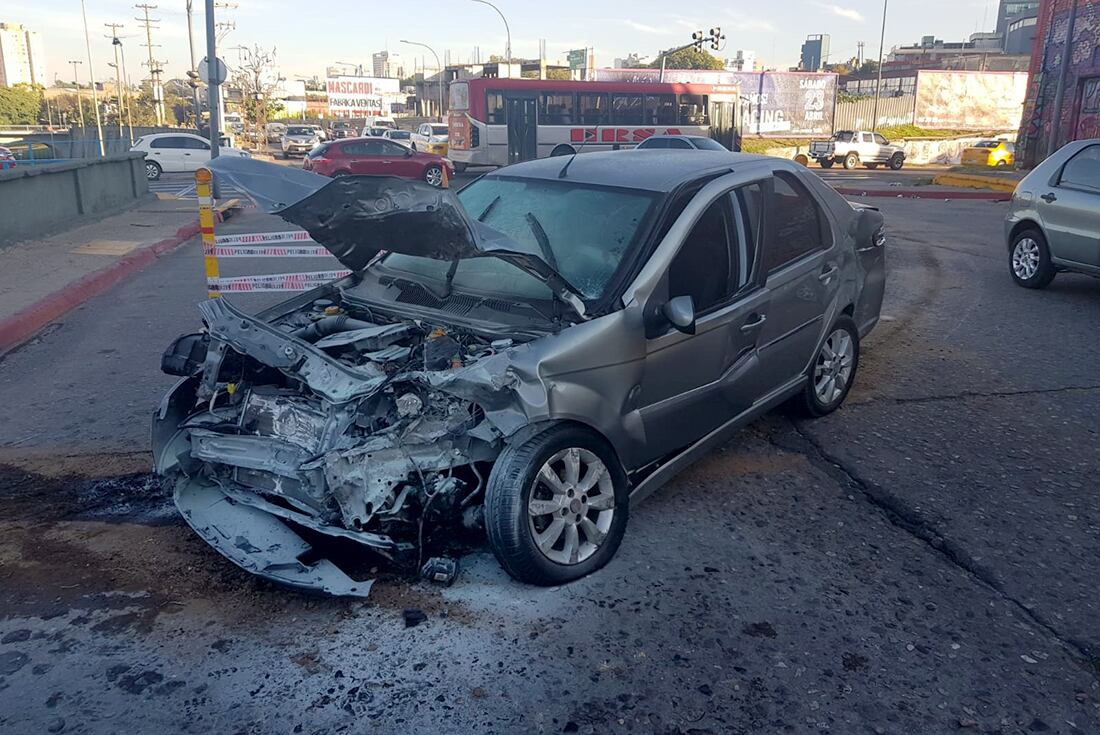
{"type": "Point", "coordinates": [357, 217]}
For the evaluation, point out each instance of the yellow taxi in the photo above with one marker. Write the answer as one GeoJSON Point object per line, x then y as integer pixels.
{"type": "Point", "coordinates": [995, 153]}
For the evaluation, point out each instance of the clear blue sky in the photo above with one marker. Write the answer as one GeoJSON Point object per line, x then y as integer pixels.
{"type": "Point", "coordinates": [310, 35]}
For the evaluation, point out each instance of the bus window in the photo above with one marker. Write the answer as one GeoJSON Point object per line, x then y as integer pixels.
{"type": "Point", "coordinates": [660, 109]}
{"type": "Point", "coordinates": [555, 109]}
{"type": "Point", "coordinates": [626, 109]}
{"type": "Point", "coordinates": [494, 107]}
{"type": "Point", "coordinates": [592, 109]}
{"type": "Point", "coordinates": [693, 109]}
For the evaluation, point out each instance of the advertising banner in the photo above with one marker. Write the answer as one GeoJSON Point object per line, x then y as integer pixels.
{"type": "Point", "coordinates": [350, 96]}
{"type": "Point", "coordinates": [969, 100]}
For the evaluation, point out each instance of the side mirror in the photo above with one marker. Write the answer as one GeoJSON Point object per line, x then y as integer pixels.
{"type": "Point", "coordinates": [680, 313]}
{"type": "Point", "coordinates": [408, 152]}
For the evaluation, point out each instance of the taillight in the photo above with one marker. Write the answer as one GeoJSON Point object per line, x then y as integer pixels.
{"type": "Point", "coordinates": [475, 136]}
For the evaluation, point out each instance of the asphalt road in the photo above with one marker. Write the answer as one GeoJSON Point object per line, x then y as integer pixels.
{"type": "Point", "coordinates": [922, 561]}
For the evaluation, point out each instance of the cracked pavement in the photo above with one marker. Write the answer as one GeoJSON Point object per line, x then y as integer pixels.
{"type": "Point", "coordinates": [922, 561]}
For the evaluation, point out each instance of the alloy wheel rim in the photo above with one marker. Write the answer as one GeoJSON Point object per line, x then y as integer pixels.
{"type": "Point", "coordinates": [834, 366]}
{"type": "Point", "coordinates": [571, 506]}
{"type": "Point", "coordinates": [1025, 258]}
{"type": "Point", "coordinates": [434, 176]}
{"type": "Point", "coordinates": [150, 171]}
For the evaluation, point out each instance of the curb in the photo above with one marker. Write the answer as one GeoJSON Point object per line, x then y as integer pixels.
{"type": "Point", "coordinates": [22, 325]}
{"type": "Point", "coordinates": [976, 181]}
{"type": "Point", "coordinates": [991, 196]}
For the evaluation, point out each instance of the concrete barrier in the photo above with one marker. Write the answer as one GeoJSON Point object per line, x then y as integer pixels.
{"type": "Point", "coordinates": [36, 200]}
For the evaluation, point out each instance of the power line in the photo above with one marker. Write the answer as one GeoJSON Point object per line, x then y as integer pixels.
{"type": "Point", "coordinates": [153, 64]}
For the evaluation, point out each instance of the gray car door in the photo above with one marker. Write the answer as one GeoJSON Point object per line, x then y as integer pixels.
{"type": "Point", "coordinates": [800, 263]}
{"type": "Point", "coordinates": [692, 383]}
{"type": "Point", "coordinates": [1070, 210]}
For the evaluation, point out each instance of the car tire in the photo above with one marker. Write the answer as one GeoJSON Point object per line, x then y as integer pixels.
{"type": "Point", "coordinates": [826, 163]}
{"type": "Point", "coordinates": [1029, 259]}
{"type": "Point", "coordinates": [871, 166]}
{"type": "Point", "coordinates": [338, 174]}
{"type": "Point", "coordinates": [820, 396]}
{"type": "Point", "coordinates": [434, 175]}
{"type": "Point", "coordinates": [519, 480]}
{"type": "Point", "coordinates": [1001, 163]}
{"type": "Point", "coordinates": [851, 161]}
{"type": "Point", "coordinates": [896, 162]}
{"type": "Point", "coordinates": [562, 150]}
{"type": "Point", "coordinates": [152, 170]}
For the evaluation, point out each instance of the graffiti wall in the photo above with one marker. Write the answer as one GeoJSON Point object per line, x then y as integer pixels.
{"type": "Point", "coordinates": [970, 99]}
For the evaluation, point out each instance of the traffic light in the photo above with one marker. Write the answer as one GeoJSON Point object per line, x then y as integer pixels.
{"type": "Point", "coordinates": [716, 37]}
{"type": "Point", "coordinates": [193, 78]}
{"type": "Point", "coordinates": [698, 38]}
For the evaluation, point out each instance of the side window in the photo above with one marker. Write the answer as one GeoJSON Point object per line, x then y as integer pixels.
{"type": "Point", "coordinates": [374, 147]}
{"type": "Point", "coordinates": [626, 109]}
{"type": "Point", "coordinates": [880, 140]}
{"type": "Point", "coordinates": [867, 137]}
{"type": "Point", "coordinates": [693, 109]}
{"type": "Point", "coordinates": [750, 202]}
{"type": "Point", "coordinates": [556, 109]}
{"type": "Point", "coordinates": [1083, 170]}
{"type": "Point", "coordinates": [494, 106]}
{"type": "Point", "coordinates": [702, 268]}
{"type": "Point", "coordinates": [795, 225]}
{"type": "Point", "coordinates": [196, 144]}
{"type": "Point", "coordinates": [172, 141]}
{"type": "Point", "coordinates": [678, 143]}
{"type": "Point", "coordinates": [660, 109]}
{"type": "Point", "coordinates": [657, 143]}
{"type": "Point", "coordinates": [352, 149]}
{"type": "Point", "coordinates": [592, 109]}
{"type": "Point", "coordinates": [392, 149]}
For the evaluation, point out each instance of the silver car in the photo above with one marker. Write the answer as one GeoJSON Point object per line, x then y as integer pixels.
{"type": "Point", "coordinates": [532, 355]}
{"type": "Point", "coordinates": [1053, 223]}
{"type": "Point", "coordinates": [299, 140]}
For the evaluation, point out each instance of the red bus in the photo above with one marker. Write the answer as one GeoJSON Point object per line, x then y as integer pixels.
{"type": "Point", "coordinates": [496, 122]}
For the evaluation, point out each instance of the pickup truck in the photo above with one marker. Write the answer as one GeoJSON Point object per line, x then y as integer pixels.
{"type": "Point", "coordinates": [853, 147]}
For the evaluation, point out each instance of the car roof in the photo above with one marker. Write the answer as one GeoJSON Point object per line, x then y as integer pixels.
{"type": "Point", "coordinates": [679, 137]}
{"type": "Point", "coordinates": [657, 169]}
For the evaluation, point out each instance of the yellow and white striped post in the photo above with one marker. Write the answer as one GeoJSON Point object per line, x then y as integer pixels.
{"type": "Point", "coordinates": [203, 188]}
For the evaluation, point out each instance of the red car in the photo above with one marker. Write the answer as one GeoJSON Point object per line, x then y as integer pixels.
{"type": "Point", "coordinates": [376, 157]}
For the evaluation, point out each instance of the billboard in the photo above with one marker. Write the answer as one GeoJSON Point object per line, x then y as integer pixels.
{"type": "Point", "coordinates": [350, 96]}
{"type": "Point", "coordinates": [970, 100]}
{"type": "Point", "coordinates": [775, 103]}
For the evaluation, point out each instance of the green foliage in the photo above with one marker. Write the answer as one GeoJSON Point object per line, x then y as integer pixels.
{"type": "Point", "coordinates": [689, 58]}
{"type": "Point", "coordinates": [760, 145]}
{"type": "Point", "coordinates": [559, 74]}
{"type": "Point", "coordinates": [19, 104]}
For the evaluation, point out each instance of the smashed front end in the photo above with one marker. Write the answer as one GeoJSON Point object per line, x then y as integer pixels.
{"type": "Point", "coordinates": [322, 424]}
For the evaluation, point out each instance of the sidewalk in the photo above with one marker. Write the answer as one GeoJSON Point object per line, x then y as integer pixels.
{"type": "Point", "coordinates": [42, 279]}
{"type": "Point", "coordinates": [973, 177]}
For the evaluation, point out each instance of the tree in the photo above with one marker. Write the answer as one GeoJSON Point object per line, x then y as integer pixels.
{"type": "Point", "coordinates": [559, 74]}
{"type": "Point", "coordinates": [869, 67]}
{"type": "Point", "coordinates": [689, 58]}
{"type": "Point", "coordinates": [19, 104]}
{"type": "Point", "coordinates": [257, 80]}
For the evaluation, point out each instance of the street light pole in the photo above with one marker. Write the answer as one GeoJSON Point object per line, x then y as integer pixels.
{"type": "Point", "coordinates": [437, 66]}
{"type": "Point", "coordinates": [507, 31]}
{"type": "Point", "coordinates": [91, 79]}
{"type": "Point", "coordinates": [878, 83]}
{"type": "Point", "coordinates": [191, 48]}
{"type": "Point", "coordinates": [79, 102]}
{"type": "Point", "coordinates": [212, 82]}
{"type": "Point", "coordinates": [118, 71]}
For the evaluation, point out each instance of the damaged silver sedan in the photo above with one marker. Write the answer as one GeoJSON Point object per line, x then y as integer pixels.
{"type": "Point", "coordinates": [531, 355]}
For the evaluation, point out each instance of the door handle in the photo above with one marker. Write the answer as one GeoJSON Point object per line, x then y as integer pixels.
{"type": "Point", "coordinates": [827, 274]}
{"type": "Point", "coordinates": [1049, 197]}
{"type": "Point", "coordinates": [755, 324]}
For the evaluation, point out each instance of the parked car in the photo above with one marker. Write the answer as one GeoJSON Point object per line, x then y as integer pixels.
{"type": "Point", "coordinates": [995, 153]}
{"type": "Point", "coordinates": [320, 131]}
{"type": "Point", "coordinates": [376, 157]}
{"type": "Point", "coordinates": [342, 129]}
{"type": "Point", "coordinates": [376, 131]}
{"type": "Point", "coordinates": [7, 160]}
{"type": "Point", "coordinates": [547, 347]}
{"type": "Point", "coordinates": [234, 123]}
{"type": "Point", "coordinates": [1053, 222]}
{"type": "Point", "coordinates": [176, 152]}
{"type": "Point", "coordinates": [274, 131]}
{"type": "Point", "coordinates": [431, 138]}
{"type": "Point", "coordinates": [299, 140]}
{"type": "Point", "coordinates": [853, 147]}
{"type": "Point", "coordinates": [681, 142]}
{"type": "Point", "coordinates": [383, 121]}
{"type": "Point", "coordinates": [401, 136]}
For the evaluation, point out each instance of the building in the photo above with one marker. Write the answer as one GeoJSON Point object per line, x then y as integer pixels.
{"type": "Point", "coordinates": [1056, 113]}
{"type": "Point", "coordinates": [1020, 32]}
{"type": "Point", "coordinates": [22, 60]}
{"type": "Point", "coordinates": [1010, 10]}
{"type": "Point", "coordinates": [815, 52]}
{"type": "Point", "coordinates": [632, 61]}
{"type": "Point", "coordinates": [388, 64]}
{"type": "Point", "coordinates": [982, 52]}
{"type": "Point", "coordinates": [742, 60]}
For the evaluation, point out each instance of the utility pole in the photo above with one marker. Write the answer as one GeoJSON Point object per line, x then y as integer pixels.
{"type": "Point", "coordinates": [1060, 89]}
{"type": "Point", "coordinates": [79, 101]}
{"type": "Point", "coordinates": [878, 82]}
{"type": "Point", "coordinates": [126, 84]}
{"type": "Point", "coordinates": [193, 73]}
{"type": "Point", "coordinates": [91, 81]}
{"type": "Point", "coordinates": [212, 82]}
{"type": "Point", "coordinates": [859, 54]}
{"type": "Point", "coordinates": [118, 71]}
{"type": "Point", "coordinates": [154, 65]}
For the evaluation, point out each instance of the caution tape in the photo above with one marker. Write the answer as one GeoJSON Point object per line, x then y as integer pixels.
{"type": "Point", "coordinates": [274, 282]}
{"type": "Point", "coordinates": [268, 251]}
{"type": "Point", "coordinates": [263, 237]}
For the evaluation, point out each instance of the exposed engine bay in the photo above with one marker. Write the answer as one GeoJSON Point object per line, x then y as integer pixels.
{"type": "Point", "coordinates": [333, 418]}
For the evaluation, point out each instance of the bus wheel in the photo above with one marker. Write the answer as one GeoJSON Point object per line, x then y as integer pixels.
{"type": "Point", "coordinates": [459, 167]}
{"type": "Point", "coordinates": [562, 150]}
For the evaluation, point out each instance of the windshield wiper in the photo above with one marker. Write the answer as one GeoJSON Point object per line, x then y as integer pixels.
{"type": "Point", "coordinates": [485, 212]}
{"type": "Point", "coordinates": [543, 240]}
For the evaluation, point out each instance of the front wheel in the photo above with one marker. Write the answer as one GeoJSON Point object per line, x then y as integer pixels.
{"type": "Point", "coordinates": [851, 161]}
{"type": "Point", "coordinates": [1030, 260]}
{"type": "Point", "coordinates": [826, 162]}
{"type": "Point", "coordinates": [434, 175]}
{"type": "Point", "coordinates": [896, 162]}
{"type": "Point", "coordinates": [833, 371]}
{"type": "Point", "coordinates": [152, 170]}
{"type": "Point", "coordinates": [556, 506]}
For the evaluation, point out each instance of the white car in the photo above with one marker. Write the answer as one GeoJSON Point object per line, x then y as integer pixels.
{"type": "Point", "coordinates": [430, 138]}
{"type": "Point", "coordinates": [404, 137]}
{"type": "Point", "coordinates": [851, 148]}
{"type": "Point", "coordinates": [177, 152]}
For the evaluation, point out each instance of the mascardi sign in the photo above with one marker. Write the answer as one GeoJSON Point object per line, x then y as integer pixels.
{"type": "Point", "coordinates": [360, 96]}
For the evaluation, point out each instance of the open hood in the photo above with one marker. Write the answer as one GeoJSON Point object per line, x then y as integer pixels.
{"type": "Point", "coordinates": [357, 217]}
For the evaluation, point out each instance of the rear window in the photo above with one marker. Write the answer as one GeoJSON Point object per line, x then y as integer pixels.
{"type": "Point", "coordinates": [439, 130]}
{"type": "Point", "coordinates": [708, 144]}
{"type": "Point", "coordinates": [986, 144]}
{"type": "Point", "coordinates": [844, 136]}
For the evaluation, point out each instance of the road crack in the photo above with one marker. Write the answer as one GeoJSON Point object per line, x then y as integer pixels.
{"type": "Point", "coordinates": [901, 515]}
{"type": "Point", "coordinates": [980, 394]}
